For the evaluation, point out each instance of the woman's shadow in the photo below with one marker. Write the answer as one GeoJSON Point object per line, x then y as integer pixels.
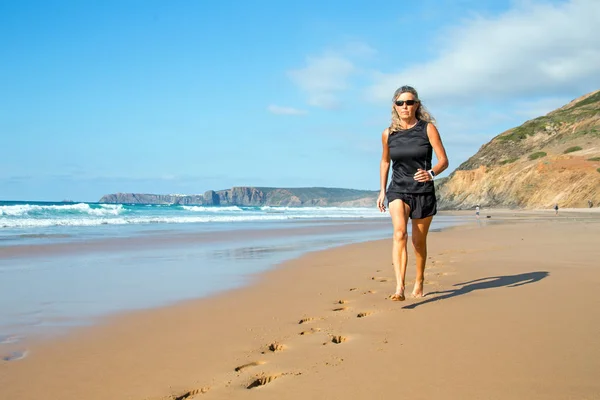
{"type": "Point", "coordinates": [484, 283]}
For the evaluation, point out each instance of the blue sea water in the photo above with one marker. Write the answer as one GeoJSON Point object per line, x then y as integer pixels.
{"type": "Point", "coordinates": [68, 264]}
{"type": "Point", "coordinates": [23, 220]}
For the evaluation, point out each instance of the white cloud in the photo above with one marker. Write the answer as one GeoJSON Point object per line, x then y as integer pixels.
{"type": "Point", "coordinates": [323, 78]}
{"type": "Point", "coordinates": [533, 49]}
{"type": "Point", "coordinates": [359, 49]}
{"type": "Point", "coordinates": [285, 110]}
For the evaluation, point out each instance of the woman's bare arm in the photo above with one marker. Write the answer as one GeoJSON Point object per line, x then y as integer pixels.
{"type": "Point", "coordinates": [438, 148]}
{"type": "Point", "coordinates": [384, 167]}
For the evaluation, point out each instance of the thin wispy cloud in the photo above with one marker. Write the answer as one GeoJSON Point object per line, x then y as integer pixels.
{"type": "Point", "coordinates": [533, 49]}
{"type": "Point", "coordinates": [358, 49]}
{"type": "Point", "coordinates": [322, 78]}
{"type": "Point", "coordinates": [279, 110]}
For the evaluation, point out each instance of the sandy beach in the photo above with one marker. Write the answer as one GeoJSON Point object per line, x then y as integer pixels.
{"type": "Point", "coordinates": [510, 312]}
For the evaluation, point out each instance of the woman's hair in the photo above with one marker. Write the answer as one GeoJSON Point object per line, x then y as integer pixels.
{"type": "Point", "coordinates": [421, 114]}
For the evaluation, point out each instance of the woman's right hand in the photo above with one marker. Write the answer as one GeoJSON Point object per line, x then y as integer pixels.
{"type": "Point", "coordinates": [381, 201]}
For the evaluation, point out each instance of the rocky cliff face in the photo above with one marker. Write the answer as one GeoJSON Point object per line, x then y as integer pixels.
{"type": "Point", "coordinates": [550, 159]}
{"type": "Point", "coordinates": [253, 196]}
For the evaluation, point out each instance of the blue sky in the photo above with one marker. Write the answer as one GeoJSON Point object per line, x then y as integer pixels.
{"type": "Point", "coordinates": [184, 96]}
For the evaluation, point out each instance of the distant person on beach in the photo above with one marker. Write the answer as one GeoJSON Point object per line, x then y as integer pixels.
{"type": "Point", "coordinates": [556, 209]}
{"type": "Point", "coordinates": [477, 211]}
{"type": "Point", "coordinates": [409, 142]}
{"type": "Point", "coordinates": [590, 204]}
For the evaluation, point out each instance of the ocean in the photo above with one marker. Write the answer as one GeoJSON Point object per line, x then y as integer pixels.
{"type": "Point", "coordinates": [62, 218]}
{"type": "Point", "coordinates": [67, 264]}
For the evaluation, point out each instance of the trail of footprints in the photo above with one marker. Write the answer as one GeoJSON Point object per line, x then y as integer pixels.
{"type": "Point", "coordinates": [261, 379]}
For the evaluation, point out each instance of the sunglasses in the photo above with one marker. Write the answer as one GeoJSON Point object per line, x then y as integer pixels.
{"type": "Point", "coordinates": [400, 103]}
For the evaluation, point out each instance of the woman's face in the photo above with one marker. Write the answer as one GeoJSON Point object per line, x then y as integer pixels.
{"type": "Point", "coordinates": [408, 107]}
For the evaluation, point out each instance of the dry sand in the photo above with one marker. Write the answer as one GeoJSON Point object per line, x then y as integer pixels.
{"type": "Point", "coordinates": [512, 311]}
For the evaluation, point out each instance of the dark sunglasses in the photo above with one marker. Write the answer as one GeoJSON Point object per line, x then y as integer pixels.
{"type": "Point", "coordinates": [400, 103]}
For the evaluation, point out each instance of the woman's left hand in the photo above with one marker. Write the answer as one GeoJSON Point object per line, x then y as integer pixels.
{"type": "Point", "coordinates": [422, 176]}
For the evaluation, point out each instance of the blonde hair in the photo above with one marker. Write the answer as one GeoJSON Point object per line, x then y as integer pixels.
{"type": "Point", "coordinates": [422, 114]}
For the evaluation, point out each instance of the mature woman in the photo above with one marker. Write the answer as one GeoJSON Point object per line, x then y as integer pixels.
{"type": "Point", "coordinates": [409, 142]}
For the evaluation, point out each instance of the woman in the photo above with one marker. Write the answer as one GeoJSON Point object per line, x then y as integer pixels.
{"type": "Point", "coordinates": [409, 142]}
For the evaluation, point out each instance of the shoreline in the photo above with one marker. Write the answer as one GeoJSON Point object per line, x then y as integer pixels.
{"type": "Point", "coordinates": [253, 278]}
{"type": "Point", "coordinates": [171, 240]}
{"type": "Point", "coordinates": [114, 275]}
{"type": "Point", "coordinates": [144, 342]}
{"type": "Point", "coordinates": [182, 237]}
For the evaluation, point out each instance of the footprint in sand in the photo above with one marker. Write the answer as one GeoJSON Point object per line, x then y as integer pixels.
{"type": "Point", "coordinates": [341, 301]}
{"type": "Point", "coordinates": [310, 332]}
{"type": "Point", "coordinates": [306, 320]}
{"type": "Point", "coordinates": [189, 394]}
{"type": "Point", "coordinates": [15, 355]}
{"type": "Point", "coordinates": [340, 309]}
{"type": "Point", "coordinates": [245, 366]}
{"type": "Point", "coordinates": [338, 339]}
{"type": "Point", "coordinates": [353, 289]}
{"type": "Point", "coordinates": [370, 292]}
{"type": "Point", "coordinates": [262, 381]}
{"type": "Point", "coordinates": [373, 278]}
{"type": "Point", "coordinates": [363, 314]}
{"type": "Point", "coordinates": [274, 347]}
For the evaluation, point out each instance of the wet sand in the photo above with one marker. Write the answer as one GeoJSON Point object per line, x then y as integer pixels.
{"type": "Point", "coordinates": [161, 239]}
{"type": "Point", "coordinates": [510, 312]}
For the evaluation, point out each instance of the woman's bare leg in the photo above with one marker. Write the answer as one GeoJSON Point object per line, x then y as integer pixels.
{"type": "Point", "coordinates": [399, 212]}
{"type": "Point", "coordinates": [420, 228]}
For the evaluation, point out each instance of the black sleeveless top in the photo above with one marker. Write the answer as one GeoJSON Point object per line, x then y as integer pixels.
{"type": "Point", "coordinates": [409, 150]}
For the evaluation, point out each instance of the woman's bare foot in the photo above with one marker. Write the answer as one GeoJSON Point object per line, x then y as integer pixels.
{"type": "Point", "coordinates": [399, 295]}
{"type": "Point", "coordinates": [418, 289]}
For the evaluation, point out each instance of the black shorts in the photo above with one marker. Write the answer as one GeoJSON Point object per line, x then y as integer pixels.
{"type": "Point", "coordinates": [422, 205]}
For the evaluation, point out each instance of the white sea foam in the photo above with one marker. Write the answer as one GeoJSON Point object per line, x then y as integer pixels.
{"type": "Point", "coordinates": [47, 222]}
{"type": "Point", "coordinates": [106, 209]}
{"type": "Point", "coordinates": [320, 209]}
{"type": "Point", "coordinates": [32, 209]}
{"type": "Point", "coordinates": [9, 339]}
{"type": "Point", "coordinates": [211, 209]}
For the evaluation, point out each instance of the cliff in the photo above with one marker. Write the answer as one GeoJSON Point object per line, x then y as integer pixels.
{"type": "Point", "coordinates": [256, 196]}
{"type": "Point", "coordinates": [551, 159]}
